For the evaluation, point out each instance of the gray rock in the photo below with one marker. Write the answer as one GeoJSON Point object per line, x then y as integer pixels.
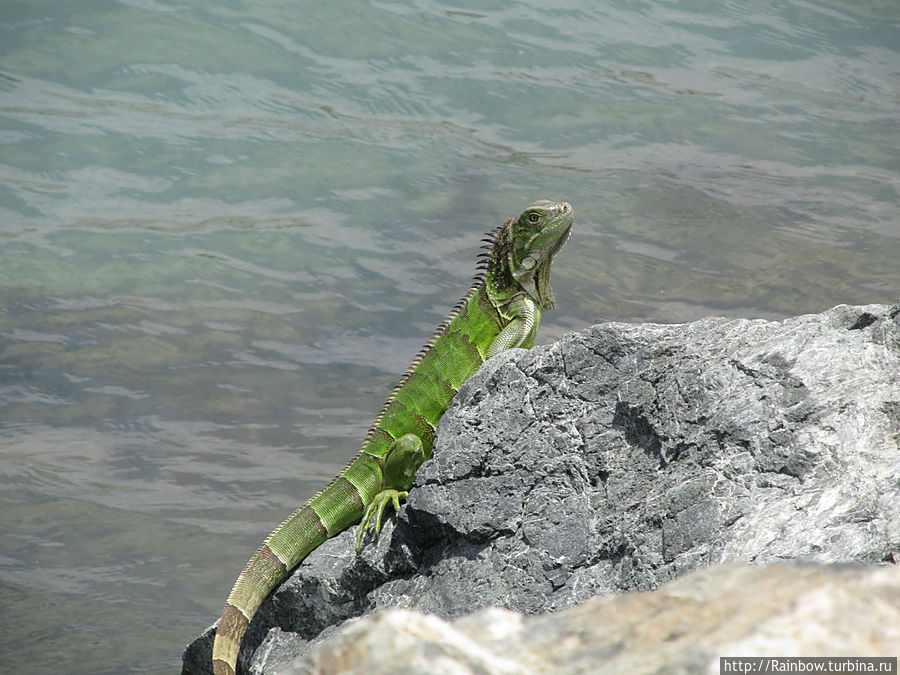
{"type": "Point", "coordinates": [618, 459]}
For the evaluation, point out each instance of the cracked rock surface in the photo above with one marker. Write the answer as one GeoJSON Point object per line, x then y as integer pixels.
{"type": "Point", "coordinates": [618, 459]}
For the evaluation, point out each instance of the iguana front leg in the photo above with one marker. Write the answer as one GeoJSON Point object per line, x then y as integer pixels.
{"type": "Point", "coordinates": [520, 331]}
{"type": "Point", "coordinates": [403, 459]}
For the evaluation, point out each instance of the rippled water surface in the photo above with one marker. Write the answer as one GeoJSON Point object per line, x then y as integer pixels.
{"type": "Point", "coordinates": [226, 228]}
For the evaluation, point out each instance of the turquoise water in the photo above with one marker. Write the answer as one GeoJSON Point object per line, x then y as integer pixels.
{"type": "Point", "coordinates": [225, 230]}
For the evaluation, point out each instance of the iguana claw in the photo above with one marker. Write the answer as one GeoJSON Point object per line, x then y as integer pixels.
{"type": "Point", "coordinates": [376, 508]}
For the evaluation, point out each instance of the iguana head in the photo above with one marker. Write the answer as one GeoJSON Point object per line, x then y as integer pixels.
{"type": "Point", "coordinates": [524, 247]}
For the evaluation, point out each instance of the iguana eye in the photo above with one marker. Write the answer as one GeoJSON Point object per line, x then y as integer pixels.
{"type": "Point", "coordinates": [534, 217]}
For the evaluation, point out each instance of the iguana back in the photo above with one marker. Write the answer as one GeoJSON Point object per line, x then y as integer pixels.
{"type": "Point", "coordinates": [501, 310]}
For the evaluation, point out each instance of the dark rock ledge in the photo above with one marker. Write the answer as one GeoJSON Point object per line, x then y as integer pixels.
{"type": "Point", "coordinates": [620, 459]}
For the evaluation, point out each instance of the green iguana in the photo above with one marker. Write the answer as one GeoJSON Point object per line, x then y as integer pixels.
{"type": "Point", "coordinates": [502, 310]}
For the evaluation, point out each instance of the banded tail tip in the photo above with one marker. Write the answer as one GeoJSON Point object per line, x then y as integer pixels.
{"type": "Point", "coordinates": [229, 634]}
{"type": "Point", "coordinates": [222, 668]}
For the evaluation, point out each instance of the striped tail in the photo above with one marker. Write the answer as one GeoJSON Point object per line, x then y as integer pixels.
{"type": "Point", "coordinates": [331, 511]}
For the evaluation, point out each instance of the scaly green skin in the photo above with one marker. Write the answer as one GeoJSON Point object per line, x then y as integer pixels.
{"type": "Point", "coordinates": [501, 311]}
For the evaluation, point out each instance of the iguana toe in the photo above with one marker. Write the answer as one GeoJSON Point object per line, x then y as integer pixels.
{"type": "Point", "coordinates": [376, 508]}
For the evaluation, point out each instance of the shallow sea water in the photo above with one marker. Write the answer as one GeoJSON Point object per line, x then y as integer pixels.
{"type": "Point", "coordinates": [225, 230]}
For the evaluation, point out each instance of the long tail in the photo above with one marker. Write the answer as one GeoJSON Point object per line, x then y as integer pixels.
{"type": "Point", "coordinates": [331, 511]}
